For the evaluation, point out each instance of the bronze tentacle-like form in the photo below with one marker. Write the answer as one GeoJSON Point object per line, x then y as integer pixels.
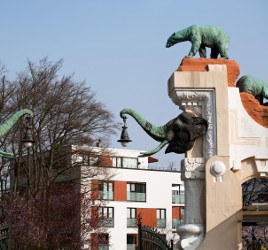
{"type": "Point", "coordinates": [6, 127]}
{"type": "Point", "coordinates": [179, 133]}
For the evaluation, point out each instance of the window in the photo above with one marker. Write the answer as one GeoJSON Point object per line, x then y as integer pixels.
{"type": "Point", "coordinates": [177, 216]}
{"type": "Point", "coordinates": [107, 214]}
{"type": "Point", "coordinates": [88, 159]}
{"type": "Point", "coordinates": [177, 194]}
{"type": "Point", "coordinates": [131, 217]}
{"type": "Point", "coordinates": [136, 191]}
{"type": "Point", "coordinates": [103, 240]}
{"type": "Point", "coordinates": [131, 241]}
{"type": "Point", "coordinates": [106, 190]}
{"type": "Point", "coordinates": [161, 218]}
{"type": "Point", "coordinates": [182, 209]}
{"type": "Point", "coordinates": [125, 162]}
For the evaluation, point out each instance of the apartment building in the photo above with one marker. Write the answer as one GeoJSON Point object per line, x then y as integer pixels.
{"type": "Point", "coordinates": [135, 190]}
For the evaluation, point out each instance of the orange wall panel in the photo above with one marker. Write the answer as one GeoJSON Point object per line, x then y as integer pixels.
{"type": "Point", "coordinates": [148, 216]}
{"type": "Point", "coordinates": [120, 190]}
{"type": "Point", "coordinates": [176, 213]}
{"type": "Point", "coordinates": [94, 241]}
{"type": "Point", "coordinates": [94, 217]}
{"type": "Point", "coordinates": [105, 161]}
{"type": "Point", "coordinates": [94, 189]}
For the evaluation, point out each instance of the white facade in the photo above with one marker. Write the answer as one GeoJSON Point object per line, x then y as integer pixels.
{"type": "Point", "coordinates": [158, 195]}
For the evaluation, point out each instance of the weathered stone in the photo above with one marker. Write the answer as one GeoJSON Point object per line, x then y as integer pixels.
{"type": "Point", "coordinates": [201, 64]}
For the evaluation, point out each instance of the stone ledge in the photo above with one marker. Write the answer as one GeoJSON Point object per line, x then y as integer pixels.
{"type": "Point", "coordinates": [201, 64]}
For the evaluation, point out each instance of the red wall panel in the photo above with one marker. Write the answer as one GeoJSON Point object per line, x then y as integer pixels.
{"type": "Point", "coordinates": [148, 216]}
{"type": "Point", "coordinates": [120, 190]}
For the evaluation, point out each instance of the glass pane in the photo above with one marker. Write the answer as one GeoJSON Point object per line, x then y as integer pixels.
{"type": "Point", "coordinates": [161, 223]}
{"type": "Point", "coordinates": [131, 239]}
{"type": "Point", "coordinates": [133, 196]}
{"type": "Point", "coordinates": [132, 187]}
{"type": "Point", "coordinates": [131, 213]}
{"type": "Point", "coordinates": [110, 212]}
{"type": "Point", "coordinates": [163, 214]}
{"type": "Point", "coordinates": [129, 162]}
{"type": "Point", "coordinates": [110, 186]}
{"type": "Point", "coordinates": [118, 163]}
{"type": "Point", "coordinates": [131, 222]}
{"type": "Point", "coordinates": [114, 162]}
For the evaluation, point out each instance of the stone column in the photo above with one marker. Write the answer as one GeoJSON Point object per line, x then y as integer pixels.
{"type": "Point", "coordinates": [192, 233]}
{"type": "Point", "coordinates": [201, 86]}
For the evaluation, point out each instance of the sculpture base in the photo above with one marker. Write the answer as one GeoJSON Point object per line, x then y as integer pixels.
{"type": "Point", "coordinates": [201, 64]}
{"type": "Point", "coordinates": [191, 236]}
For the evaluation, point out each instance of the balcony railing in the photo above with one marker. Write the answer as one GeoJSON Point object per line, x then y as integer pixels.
{"type": "Point", "coordinates": [131, 222]}
{"type": "Point", "coordinates": [131, 247]}
{"type": "Point", "coordinates": [176, 223]}
{"type": "Point", "coordinates": [161, 223]}
{"type": "Point", "coordinates": [178, 199]}
{"type": "Point", "coordinates": [108, 222]}
{"type": "Point", "coordinates": [103, 247]}
{"type": "Point", "coordinates": [106, 195]}
{"type": "Point", "coordinates": [133, 196]}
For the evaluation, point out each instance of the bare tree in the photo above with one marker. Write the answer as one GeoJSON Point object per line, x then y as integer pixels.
{"type": "Point", "coordinates": [255, 190]}
{"type": "Point", "coordinates": [255, 235]}
{"type": "Point", "coordinates": [65, 113]}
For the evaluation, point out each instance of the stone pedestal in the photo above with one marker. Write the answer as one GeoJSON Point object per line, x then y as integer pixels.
{"type": "Point", "coordinates": [233, 150]}
{"type": "Point", "coordinates": [201, 86]}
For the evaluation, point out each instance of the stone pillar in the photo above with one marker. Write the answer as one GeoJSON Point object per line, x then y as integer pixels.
{"type": "Point", "coordinates": [201, 86]}
{"type": "Point", "coordinates": [192, 233]}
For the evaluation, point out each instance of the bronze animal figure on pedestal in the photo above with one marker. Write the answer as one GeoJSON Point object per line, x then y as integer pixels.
{"type": "Point", "coordinates": [201, 37]}
{"type": "Point", "coordinates": [254, 86]}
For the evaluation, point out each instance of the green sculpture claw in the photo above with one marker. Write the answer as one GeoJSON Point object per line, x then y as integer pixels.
{"type": "Point", "coordinates": [254, 86]}
{"type": "Point", "coordinates": [180, 133]}
{"type": "Point", "coordinates": [202, 37]}
{"type": "Point", "coordinates": [6, 127]}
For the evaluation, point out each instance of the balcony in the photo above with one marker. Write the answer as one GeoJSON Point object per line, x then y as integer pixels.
{"type": "Point", "coordinates": [161, 223]}
{"type": "Point", "coordinates": [131, 247]}
{"type": "Point", "coordinates": [106, 195]}
{"type": "Point", "coordinates": [108, 222]}
{"type": "Point", "coordinates": [131, 222]}
{"type": "Point", "coordinates": [133, 196]}
{"type": "Point", "coordinates": [103, 247]}
{"type": "Point", "coordinates": [176, 223]}
{"type": "Point", "coordinates": [178, 199]}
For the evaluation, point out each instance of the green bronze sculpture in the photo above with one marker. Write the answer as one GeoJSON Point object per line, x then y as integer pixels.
{"type": "Point", "coordinates": [180, 133]}
{"type": "Point", "coordinates": [254, 86]}
{"type": "Point", "coordinates": [201, 37]}
{"type": "Point", "coordinates": [6, 127]}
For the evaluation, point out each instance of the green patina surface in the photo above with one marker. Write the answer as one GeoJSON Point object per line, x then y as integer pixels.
{"type": "Point", "coordinates": [6, 127]}
{"type": "Point", "coordinates": [254, 86]}
{"type": "Point", "coordinates": [179, 133]}
{"type": "Point", "coordinates": [201, 37]}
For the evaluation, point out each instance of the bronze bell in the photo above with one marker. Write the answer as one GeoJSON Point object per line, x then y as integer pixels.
{"type": "Point", "coordinates": [27, 138]}
{"type": "Point", "coordinates": [124, 138]}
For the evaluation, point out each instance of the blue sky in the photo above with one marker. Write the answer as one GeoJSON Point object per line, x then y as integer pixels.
{"type": "Point", "coordinates": [118, 48]}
